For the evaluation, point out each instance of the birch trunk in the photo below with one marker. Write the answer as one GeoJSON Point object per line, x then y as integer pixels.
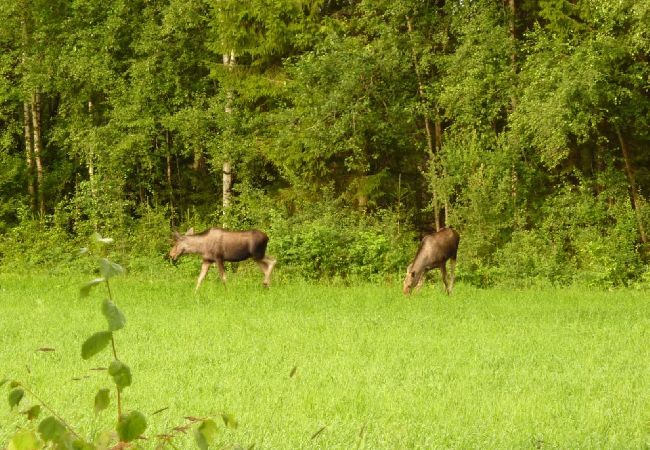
{"type": "Point", "coordinates": [170, 185]}
{"type": "Point", "coordinates": [513, 56]}
{"type": "Point", "coordinates": [29, 154]}
{"type": "Point", "coordinates": [228, 61]}
{"type": "Point", "coordinates": [27, 117]}
{"type": "Point", "coordinates": [90, 158]}
{"type": "Point", "coordinates": [227, 184]}
{"type": "Point", "coordinates": [36, 121]}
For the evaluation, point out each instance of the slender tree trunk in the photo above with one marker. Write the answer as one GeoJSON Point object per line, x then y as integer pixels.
{"type": "Point", "coordinates": [38, 151]}
{"type": "Point", "coordinates": [91, 150]}
{"type": "Point", "coordinates": [228, 61]}
{"type": "Point", "coordinates": [227, 184]}
{"type": "Point", "coordinates": [431, 148]}
{"type": "Point", "coordinates": [634, 194]}
{"type": "Point", "coordinates": [170, 185]}
{"type": "Point", "coordinates": [512, 25]}
{"type": "Point", "coordinates": [29, 154]}
{"type": "Point", "coordinates": [90, 157]}
{"type": "Point", "coordinates": [427, 122]}
{"type": "Point", "coordinates": [27, 117]}
{"type": "Point", "coordinates": [438, 134]}
{"type": "Point", "coordinates": [198, 160]}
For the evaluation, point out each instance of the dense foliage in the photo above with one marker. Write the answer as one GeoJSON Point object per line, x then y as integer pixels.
{"type": "Point", "coordinates": [343, 128]}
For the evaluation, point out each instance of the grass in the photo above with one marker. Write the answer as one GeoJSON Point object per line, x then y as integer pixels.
{"type": "Point", "coordinates": [363, 365]}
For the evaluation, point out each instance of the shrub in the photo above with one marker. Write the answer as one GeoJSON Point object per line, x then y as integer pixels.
{"type": "Point", "coordinates": [341, 243]}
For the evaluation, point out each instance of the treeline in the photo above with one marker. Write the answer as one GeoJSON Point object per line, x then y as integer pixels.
{"type": "Point", "coordinates": [345, 129]}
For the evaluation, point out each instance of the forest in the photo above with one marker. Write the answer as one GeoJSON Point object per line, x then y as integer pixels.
{"type": "Point", "coordinates": [345, 129]}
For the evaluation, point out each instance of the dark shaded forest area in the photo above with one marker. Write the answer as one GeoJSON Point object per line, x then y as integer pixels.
{"type": "Point", "coordinates": [344, 129]}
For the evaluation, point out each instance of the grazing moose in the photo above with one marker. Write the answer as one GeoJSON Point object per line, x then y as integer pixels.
{"type": "Point", "coordinates": [435, 249]}
{"type": "Point", "coordinates": [216, 245]}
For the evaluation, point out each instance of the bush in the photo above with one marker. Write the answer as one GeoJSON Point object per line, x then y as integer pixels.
{"type": "Point", "coordinates": [37, 244]}
{"type": "Point", "coordinates": [580, 238]}
{"type": "Point", "coordinates": [341, 243]}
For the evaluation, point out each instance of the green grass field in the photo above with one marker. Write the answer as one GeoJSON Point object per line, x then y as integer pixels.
{"type": "Point", "coordinates": [371, 369]}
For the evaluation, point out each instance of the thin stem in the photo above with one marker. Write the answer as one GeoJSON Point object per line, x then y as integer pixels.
{"type": "Point", "coordinates": [119, 396]}
{"type": "Point", "coordinates": [49, 408]}
{"type": "Point", "coordinates": [110, 294]}
{"type": "Point", "coordinates": [117, 388]}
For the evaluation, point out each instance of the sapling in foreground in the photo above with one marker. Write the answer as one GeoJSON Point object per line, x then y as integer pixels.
{"type": "Point", "coordinates": [54, 432]}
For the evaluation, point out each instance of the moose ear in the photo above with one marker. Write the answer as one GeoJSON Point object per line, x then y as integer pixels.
{"type": "Point", "coordinates": [189, 232]}
{"type": "Point", "coordinates": [176, 235]}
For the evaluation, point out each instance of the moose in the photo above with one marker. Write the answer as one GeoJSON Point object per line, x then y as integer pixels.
{"type": "Point", "coordinates": [434, 251]}
{"type": "Point", "coordinates": [216, 245]}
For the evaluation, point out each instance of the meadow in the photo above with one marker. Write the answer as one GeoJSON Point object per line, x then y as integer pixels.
{"type": "Point", "coordinates": [317, 365]}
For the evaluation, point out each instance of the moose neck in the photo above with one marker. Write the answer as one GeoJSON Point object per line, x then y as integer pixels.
{"type": "Point", "coordinates": [419, 263]}
{"type": "Point", "coordinates": [195, 244]}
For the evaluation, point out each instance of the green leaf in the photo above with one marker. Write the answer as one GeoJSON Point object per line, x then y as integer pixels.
{"type": "Point", "coordinates": [121, 374]}
{"type": "Point", "coordinates": [4, 381]}
{"type": "Point", "coordinates": [105, 440]}
{"type": "Point", "coordinates": [102, 400]}
{"type": "Point", "coordinates": [51, 429]}
{"type": "Point", "coordinates": [229, 420]}
{"type": "Point", "coordinates": [33, 412]}
{"type": "Point", "coordinates": [79, 444]}
{"type": "Point", "coordinates": [15, 396]}
{"type": "Point", "coordinates": [109, 269]}
{"type": "Point", "coordinates": [205, 433]}
{"type": "Point", "coordinates": [85, 289]}
{"type": "Point", "coordinates": [24, 440]}
{"type": "Point", "coordinates": [131, 426]}
{"type": "Point", "coordinates": [199, 438]}
{"type": "Point", "coordinates": [95, 344]}
{"type": "Point", "coordinates": [114, 316]}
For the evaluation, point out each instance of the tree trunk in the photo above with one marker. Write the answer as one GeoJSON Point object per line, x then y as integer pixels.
{"type": "Point", "coordinates": [197, 164]}
{"type": "Point", "coordinates": [27, 118]}
{"type": "Point", "coordinates": [29, 154]}
{"type": "Point", "coordinates": [227, 185]}
{"type": "Point", "coordinates": [427, 122]}
{"type": "Point", "coordinates": [170, 185]}
{"type": "Point", "coordinates": [431, 148]}
{"type": "Point", "coordinates": [38, 151]}
{"type": "Point", "coordinates": [90, 158]}
{"type": "Point", "coordinates": [91, 151]}
{"type": "Point", "coordinates": [634, 194]}
{"type": "Point", "coordinates": [228, 61]}
{"type": "Point", "coordinates": [512, 24]}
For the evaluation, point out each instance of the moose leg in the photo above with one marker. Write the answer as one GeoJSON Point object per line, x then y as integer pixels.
{"type": "Point", "coordinates": [443, 272]}
{"type": "Point", "coordinates": [452, 273]}
{"type": "Point", "coordinates": [222, 270]}
{"type": "Point", "coordinates": [205, 266]}
{"type": "Point", "coordinates": [266, 265]}
{"type": "Point", "coordinates": [420, 283]}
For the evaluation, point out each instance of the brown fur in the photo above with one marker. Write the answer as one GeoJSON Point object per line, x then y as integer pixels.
{"type": "Point", "coordinates": [216, 245]}
{"type": "Point", "coordinates": [435, 249]}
